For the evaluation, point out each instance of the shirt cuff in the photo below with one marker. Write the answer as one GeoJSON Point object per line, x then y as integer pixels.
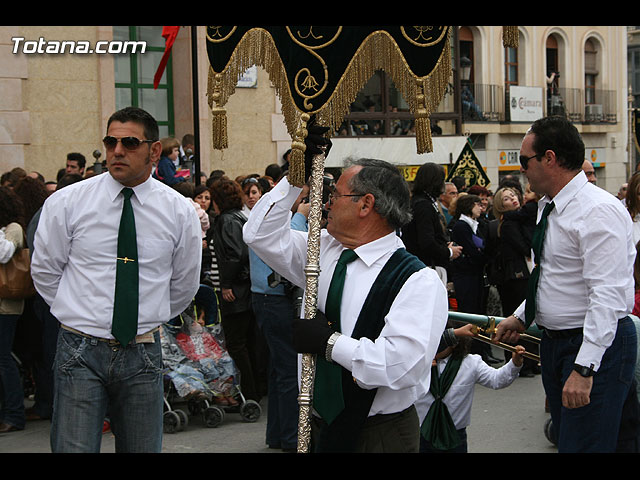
{"type": "Point", "coordinates": [343, 349]}
{"type": "Point", "coordinates": [590, 354]}
{"type": "Point", "coordinates": [519, 313]}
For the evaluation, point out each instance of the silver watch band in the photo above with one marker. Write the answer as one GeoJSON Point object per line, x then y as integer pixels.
{"type": "Point", "coordinates": [330, 343]}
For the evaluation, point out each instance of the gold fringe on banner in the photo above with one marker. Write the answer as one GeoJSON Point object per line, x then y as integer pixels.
{"type": "Point", "coordinates": [510, 36]}
{"type": "Point", "coordinates": [378, 51]}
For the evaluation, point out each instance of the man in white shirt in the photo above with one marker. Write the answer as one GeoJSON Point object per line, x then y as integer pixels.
{"type": "Point", "coordinates": [390, 365]}
{"type": "Point", "coordinates": [74, 269]}
{"type": "Point", "coordinates": [585, 292]}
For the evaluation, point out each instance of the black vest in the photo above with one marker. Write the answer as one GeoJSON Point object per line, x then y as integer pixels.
{"type": "Point", "coordinates": [342, 435]}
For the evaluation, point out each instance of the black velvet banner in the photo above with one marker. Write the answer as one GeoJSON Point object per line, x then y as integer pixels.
{"type": "Point", "coordinates": [316, 57]}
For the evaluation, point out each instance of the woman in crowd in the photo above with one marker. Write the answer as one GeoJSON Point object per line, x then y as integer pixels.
{"type": "Point", "coordinates": [210, 275]}
{"type": "Point", "coordinates": [426, 236]}
{"type": "Point", "coordinates": [12, 415]}
{"type": "Point", "coordinates": [253, 190]}
{"type": "Point", "coordinates": [28, 343]}
{"type": "Point", "coordinates": [512, 257]}
{"type": "Point", "coordinates": [467, 271]}
{"type": "Point", "coordinates": [232, 253]}
{"type": "Point", "coordinates": [514, 248]}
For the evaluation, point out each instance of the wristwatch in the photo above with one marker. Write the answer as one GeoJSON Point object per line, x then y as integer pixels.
{"type": "Point", "coordinates": [330, 343]}
{"type": "Point", "coordinates": [584, 371]}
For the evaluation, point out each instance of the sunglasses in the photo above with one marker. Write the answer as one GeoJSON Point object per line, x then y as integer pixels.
{"type": "Point", "coordinates": [130, 143]}
{"type": "Point", "coordinates": [524, 161]}
{"type": "Point", "coordinates": [249, 180]}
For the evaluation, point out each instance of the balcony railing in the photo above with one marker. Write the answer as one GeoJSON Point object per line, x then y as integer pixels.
{"type": "Point", "coordinates": [482, 103]}
{"type": "Point", "coordinates": [571, 102]}
{"type": "Point", "coordinates": [487, 103]}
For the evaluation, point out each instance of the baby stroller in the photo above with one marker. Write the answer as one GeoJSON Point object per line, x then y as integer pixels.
{"type": "Point", "coordinates": [198, 371]}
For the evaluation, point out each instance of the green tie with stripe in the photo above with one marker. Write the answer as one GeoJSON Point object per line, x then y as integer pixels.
{"type": "Point", "coordinates": [532, 286]}
{"type": "Point", "coordinates": [327, 394]}
{"type": "Point", "coordinates": [125, 309]}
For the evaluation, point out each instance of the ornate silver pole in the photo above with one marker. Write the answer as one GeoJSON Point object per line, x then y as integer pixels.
{"type": "Point", "coordinates": [312, 271]}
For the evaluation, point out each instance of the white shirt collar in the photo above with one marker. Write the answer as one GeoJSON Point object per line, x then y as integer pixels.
{"type": "Point", "coordinates": [370, 252]}
{"type": "Point", "coordinates": [568, 193]}
{"type": "Point", "coordinates": [472, 223]}
{"type": "Point", "coordinates": [141, 192]}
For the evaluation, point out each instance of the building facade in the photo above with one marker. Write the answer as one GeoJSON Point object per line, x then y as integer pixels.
{"type": "Point", "coordinates": [53, 102]}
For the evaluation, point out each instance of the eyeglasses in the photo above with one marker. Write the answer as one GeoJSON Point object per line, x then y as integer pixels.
{"type": "Point", "coordinates": [130, 143]}
{"type": "Point", "coordinates": [333, 196]}
{"type": "Point", "coordinates": [524, 161]}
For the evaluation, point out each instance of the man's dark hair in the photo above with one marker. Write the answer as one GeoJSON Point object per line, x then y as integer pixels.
{"type": "Point", "coordinates": [140, 116]}
{"type": "Point", "coordinates": [77, 157]}
{"type": "Point", "coordinates": [273, 170]}
{"type": "Point", "coordinates": [387, 185]}
{"type": "Point", "coordinates": [68, 179]}
{"type": "Point", "coordinates": [558, 134]}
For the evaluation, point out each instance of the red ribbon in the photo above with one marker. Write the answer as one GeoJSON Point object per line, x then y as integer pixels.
{"type": "Point", "coordinates": [170, 34]}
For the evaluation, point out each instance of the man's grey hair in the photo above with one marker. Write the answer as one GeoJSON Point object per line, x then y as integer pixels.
{"type": "Point", "coordinates": [387, 185]}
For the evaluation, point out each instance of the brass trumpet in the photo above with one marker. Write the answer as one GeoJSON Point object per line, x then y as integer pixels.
{"type": "Point", "coordinates": [485, 326]}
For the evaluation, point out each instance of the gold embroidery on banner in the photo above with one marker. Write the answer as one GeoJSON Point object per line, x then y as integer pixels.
{"type": "Point", "coordinates": [217, 33]}
{"type": "Point", "coordinates": [310, 82]}
{"type": "Point", "coordinates": [310, 34]}
{"type": "Point", "coordinates": [425, 34]}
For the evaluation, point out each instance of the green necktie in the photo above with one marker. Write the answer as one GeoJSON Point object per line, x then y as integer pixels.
{"type": "Point", "coordinates": [327, 393]}
{"type": "Point", "coordinates": [536, 244]}
{"type": "Point", "coordinates": [125, 309]}
{"type": "Point", "coordinates": [438, 427]}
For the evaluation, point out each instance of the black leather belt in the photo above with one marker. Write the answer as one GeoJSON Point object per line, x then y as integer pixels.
{"type": "Point", "coordinates": [571, 332]}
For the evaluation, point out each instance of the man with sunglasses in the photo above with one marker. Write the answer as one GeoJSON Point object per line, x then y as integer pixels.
{"type": "Point", "coordinates": [78, 267]}
{"type": "Point", "coordinates": [392, 314]}
{"type": "Point", "coordinates": [584, 293]}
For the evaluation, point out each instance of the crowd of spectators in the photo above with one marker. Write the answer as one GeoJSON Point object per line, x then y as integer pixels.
{"type": "Point", "coordinates": [478, 240]}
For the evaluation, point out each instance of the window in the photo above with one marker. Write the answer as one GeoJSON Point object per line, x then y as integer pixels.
{"type": "Point", "coordinates": [134, 76]}
{"type": "Point", "coordinates": [590, 72]}
{"type": "Point", "coordinates": [511, 66]}
{"type": "Point", "coordinates": [379, 109]}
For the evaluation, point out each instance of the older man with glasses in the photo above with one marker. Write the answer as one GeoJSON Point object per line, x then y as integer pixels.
{"type": "Point", "coordinates": [375, 345]}
{"type": "Point", "coordinates": [115, 257]}
{"type": "Point", "coordinates": [580, 292]}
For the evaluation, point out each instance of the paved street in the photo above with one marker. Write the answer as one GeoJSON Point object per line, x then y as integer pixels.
{"type": "Point", "coordinates": [503, 421]}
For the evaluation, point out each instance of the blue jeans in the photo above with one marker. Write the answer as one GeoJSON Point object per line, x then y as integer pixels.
{"type": "Point", "coordinates": [12, 400]}
{"type": "Point", "coordinates": [94, 378]}
{"type": "Point", "coordinates": [274, 314]}
{"type": "Point", "coordinates": [594, 427]}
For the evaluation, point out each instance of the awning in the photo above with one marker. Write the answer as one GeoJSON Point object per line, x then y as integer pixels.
{"type": "Point", "coordinates": [395, 150]}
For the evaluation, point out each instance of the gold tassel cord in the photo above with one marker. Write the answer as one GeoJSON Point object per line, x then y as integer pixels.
{"type": "Point", "coordinates": [296, 159]}
{"type": "Point", "coordinates": [220, 137]}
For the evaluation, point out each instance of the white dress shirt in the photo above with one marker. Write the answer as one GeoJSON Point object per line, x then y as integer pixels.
{"type": "Point", "coordinates": [459, 398]}
{"type": "Point", "coordinates": [74, 262]}
{"type": "Point", "coordinates": [587, 267]}
{"type": "Point", "coordinates": [399, 361]}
